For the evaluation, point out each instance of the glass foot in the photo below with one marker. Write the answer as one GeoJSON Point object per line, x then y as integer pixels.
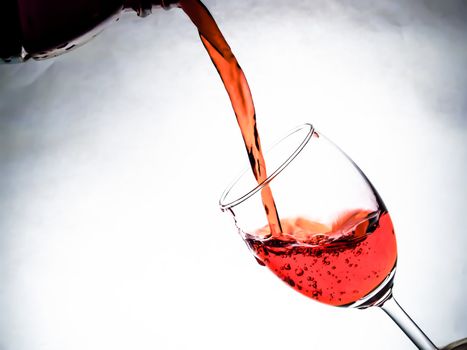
{"type": "Point", "coordinates": [457, 345]}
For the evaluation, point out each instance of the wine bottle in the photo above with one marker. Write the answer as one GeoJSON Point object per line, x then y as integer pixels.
{"type": "Point", "coordinates": [41, 29]}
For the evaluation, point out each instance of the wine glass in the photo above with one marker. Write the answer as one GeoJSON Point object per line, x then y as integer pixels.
{"type": "Point", "coordinates": [336, 243]}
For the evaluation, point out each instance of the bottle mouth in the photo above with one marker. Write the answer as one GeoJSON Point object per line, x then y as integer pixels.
{"type": "Point", "coordinates": [143, 8]}
{"type": "Point", "coordinates": [230, 199]}
{"type": "Point", "coordinates": [168, 4]}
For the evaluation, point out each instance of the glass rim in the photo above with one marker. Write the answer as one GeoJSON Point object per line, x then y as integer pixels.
{"type": "Point", "coordinates": [222, 201]}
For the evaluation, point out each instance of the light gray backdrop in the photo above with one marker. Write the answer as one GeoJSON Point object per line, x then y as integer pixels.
{"type": "Point", "coordinates": [113, 157]}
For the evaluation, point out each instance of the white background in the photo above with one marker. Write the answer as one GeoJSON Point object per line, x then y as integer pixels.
{"type": "Point", "coordinates": [113, 157]}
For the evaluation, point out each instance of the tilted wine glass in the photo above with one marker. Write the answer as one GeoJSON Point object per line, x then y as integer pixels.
{"type": "Point", "coordinates": [337, 244]}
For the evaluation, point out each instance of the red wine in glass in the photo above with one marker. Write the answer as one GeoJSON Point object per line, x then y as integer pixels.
{"type": "Point", "coordinates": [337, 244]}
{"type": "Point", "coordinates": [336, 265]}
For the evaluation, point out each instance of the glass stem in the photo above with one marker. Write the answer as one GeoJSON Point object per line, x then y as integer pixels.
{"type": "Point", "coordinates": [398, 315]}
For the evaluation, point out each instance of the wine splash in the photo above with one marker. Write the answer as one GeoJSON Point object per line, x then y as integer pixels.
{"type": "Point", "coordinates": [240, 96]}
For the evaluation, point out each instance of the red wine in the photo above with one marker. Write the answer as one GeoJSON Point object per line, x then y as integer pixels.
{"type": "Point", "coordinates": [240, 96]}
{"type": "Point", "coordinates": [336, 265]}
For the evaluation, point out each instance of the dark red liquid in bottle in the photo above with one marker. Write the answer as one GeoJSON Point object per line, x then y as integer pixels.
{"type": "Point", "coordinates": [46, 28]}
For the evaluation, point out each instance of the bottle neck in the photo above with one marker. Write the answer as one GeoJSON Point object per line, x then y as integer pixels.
{"type": "Point", "coordinates": [144, 8]}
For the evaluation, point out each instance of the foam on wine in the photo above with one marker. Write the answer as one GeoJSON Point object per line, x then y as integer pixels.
{"type": "Point", "coordinates": [336, 264]}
